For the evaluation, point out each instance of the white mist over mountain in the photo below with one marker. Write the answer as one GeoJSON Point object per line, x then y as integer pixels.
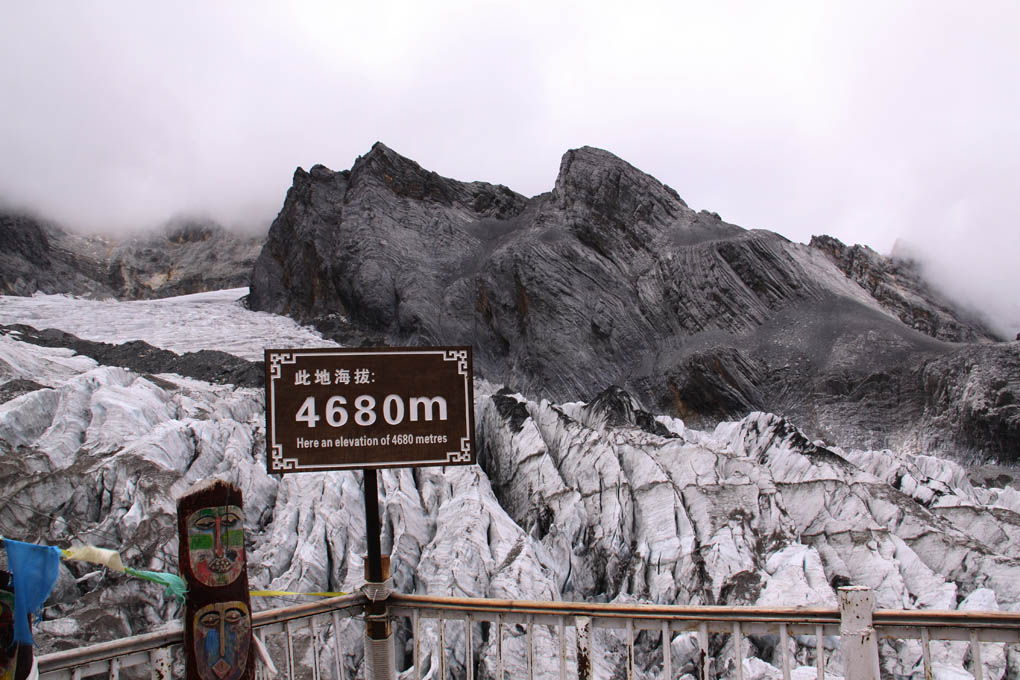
{"type": "Point", "coordinates": [966, 250]}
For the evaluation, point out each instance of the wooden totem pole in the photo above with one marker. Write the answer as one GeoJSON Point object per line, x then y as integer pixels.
{"type": "Point", "coordinates": [15, 659]}
{"type": "Point", "coordinates": [217, 621]}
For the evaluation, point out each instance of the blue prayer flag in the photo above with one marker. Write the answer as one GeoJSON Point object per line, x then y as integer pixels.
{"type": "Point", "coordinates": [35, 569]}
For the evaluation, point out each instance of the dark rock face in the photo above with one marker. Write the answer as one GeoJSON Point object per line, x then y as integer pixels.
{"type": "Point", "coordinates": [24, 237]}
{"type": "Point", "coordinates": [13, 389]}
{"type": "Point", "coordinates": [209, 365]}
{"type": "Point", "coordinates": [614, 407]}
{"type": "Point", "coordinates": [973, 395]}
{"type": "Point", "coordinates": [188, 257]}
{"type": "Point", "coordinates": [31, 261]}
{"type": "Point", "coordinates": [610, 279]}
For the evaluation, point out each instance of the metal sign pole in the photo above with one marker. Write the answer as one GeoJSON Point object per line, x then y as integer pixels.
{"type": "Point", "coordinates": [378, 642]}
{"type": "Point", "coordinates": [372, 527]}
{"type": "Point", "coordinates": [351, 408]}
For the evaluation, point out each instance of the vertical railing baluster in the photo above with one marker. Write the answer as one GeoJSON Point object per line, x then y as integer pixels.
{"type": "Point", "coordinates": [469, 655]}
{"type": "Point", "coordinates": [442, 648]}
{"type": "Point", "coordinates": [703, 649]}
{"type": "Point", "coordinates": [738, 649]}
{"type": "Point", "coordinates": [784, 640]}
{"type": "Point", "coordinates": [290, 651]}
{"type": "Point", "coordinates": [338, 659]}
{"type": "Point", "coordinates": [630, 649]}
{"type": "Point", "coordinates": [667, 653]}
{"type": "Point", "coordinates": [260, 671]}
{"type": "Point", "coordinates": [499, 646]}
{"type": "Point", "coordinates": [820, 653]}
{"type": "Point", "coordinates": [531, 649]}
{"type": "Point", "coordinates": [585, 653]}
{"type": "Point", "coordinates": [978, 668]}
{"type": "Point", "coordinates": [159, 662]}
{"type": "Point", "coordinates": [926, 653]}
{"type": "Point", "coordinates": [563, 648]}
{"type": "Point", "coordinates": [315, 648]}
{"type": "Point", "coordinates": [416, 624]}
{"type": "Point", "coordinates": [115, 668]}
{"type": "Point", "coordinates": [76, 674]}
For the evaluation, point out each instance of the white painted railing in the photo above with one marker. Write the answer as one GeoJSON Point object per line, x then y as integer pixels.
{"type": "Point", "coordinates": [285, 632]}
{"type": "Point", "coordinates": [518, 639]}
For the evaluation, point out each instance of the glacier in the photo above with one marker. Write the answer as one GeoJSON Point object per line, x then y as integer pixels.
{"type": "Point", "coordinates": [596, 501]}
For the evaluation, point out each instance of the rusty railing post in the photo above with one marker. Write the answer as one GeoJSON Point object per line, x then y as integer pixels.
{"type": "Point", "coordinates": [159, 659]}
{"type": "Point", "coordinates": [583, 626]}
{"type": "Point", "coordinates": [857, 635]}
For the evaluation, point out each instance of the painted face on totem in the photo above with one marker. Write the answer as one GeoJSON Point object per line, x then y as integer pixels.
{"type": "Point", "coordinates": [8, 650]}
{"type": "Point", "coordinates": [222, 639]}
{"type": "Point", "coordinates": [216, 544]}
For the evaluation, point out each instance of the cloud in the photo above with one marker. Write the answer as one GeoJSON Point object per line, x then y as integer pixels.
{"type": "Point", "coordinates": [868, 121]}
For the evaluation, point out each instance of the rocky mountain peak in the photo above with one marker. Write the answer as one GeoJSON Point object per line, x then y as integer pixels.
{"type": "Point", "coordinates": [611, 206]}
{"type": "Point", "coordinates": [381, 160]}
{"type": "Point", "coordinates": [611, 186]}
{"type": "Point", "coordinates": [317, 171]}
{"type": "Point", "coordinates": [403, 176]}
{"type": "Point", "coordinates": [589, 165]}
{"type": "Point", "coordinates": [612, 279]}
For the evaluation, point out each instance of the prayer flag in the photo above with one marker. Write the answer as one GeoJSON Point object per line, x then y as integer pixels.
{"type": "Point", "coordinates": [35, 569]}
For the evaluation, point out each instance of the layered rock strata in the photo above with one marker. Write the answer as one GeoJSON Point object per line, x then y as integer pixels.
{"type": "Point", "coordinates": [611, 278]}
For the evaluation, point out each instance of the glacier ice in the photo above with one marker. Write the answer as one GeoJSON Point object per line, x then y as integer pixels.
{"type": "Point", "coordinates": [569, 502]}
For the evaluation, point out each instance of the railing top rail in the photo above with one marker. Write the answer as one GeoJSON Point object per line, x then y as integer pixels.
{"type": "Point", "coordinates": [174, 634]}
{"type": "Point", "coordinates": [617, 610]}
{"type": "Point", "coordinates": [882, 617]}
{"type": "Point", "coordinates": [305, 609]}
{"type": "Point", "coordinates": [932, 618]}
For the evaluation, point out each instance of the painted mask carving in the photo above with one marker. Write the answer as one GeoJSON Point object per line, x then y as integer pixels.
{"type": "Point", "coordinates": [216, 544]}
{"type": "Point", "coordinates": [222, 635]}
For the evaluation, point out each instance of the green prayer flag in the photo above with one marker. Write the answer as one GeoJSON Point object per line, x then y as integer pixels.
{"type": "Point", "coordinates": [174, 584]}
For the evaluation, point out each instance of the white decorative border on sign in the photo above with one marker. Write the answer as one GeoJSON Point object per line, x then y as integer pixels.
{"type": "Point", "coordinates": [276, 359]}
{"type": "Point", "coordinates": [460, 356]}
{"type": "Point", "coordinates": [461, 456]}
{"type": "Point", "coordinates": [281, 463]}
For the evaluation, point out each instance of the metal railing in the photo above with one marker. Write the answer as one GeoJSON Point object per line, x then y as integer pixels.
{"type": "Point", "coordinates": [309, 623]}
{"type": "Point", "coordinates": [578, 654]}
{"type": "Point", "coordinates": [467, 638]}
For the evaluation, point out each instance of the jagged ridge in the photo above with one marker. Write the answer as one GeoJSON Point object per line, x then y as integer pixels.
{"type": "Point", "coordinates": [611, 278]}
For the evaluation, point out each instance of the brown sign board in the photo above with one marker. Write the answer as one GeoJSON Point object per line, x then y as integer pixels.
{"type": "Point", "coordinates": [351, 408]}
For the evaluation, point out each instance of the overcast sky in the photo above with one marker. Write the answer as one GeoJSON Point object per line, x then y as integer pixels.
{"type": "Point", "coordinates": [868, 121]}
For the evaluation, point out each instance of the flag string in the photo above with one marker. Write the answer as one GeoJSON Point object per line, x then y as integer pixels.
{"type": "Point", "coordinates": [174, 585]}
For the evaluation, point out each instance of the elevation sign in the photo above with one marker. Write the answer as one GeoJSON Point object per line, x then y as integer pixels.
{"type": "Point", "coordinates": [352, 408]}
